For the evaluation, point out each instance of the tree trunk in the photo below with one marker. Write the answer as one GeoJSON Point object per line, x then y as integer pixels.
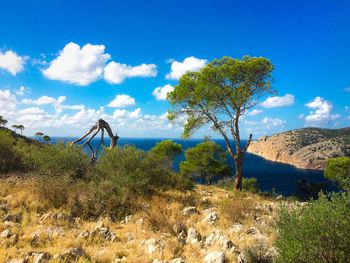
{"type": "Point", "coordinates": [238, 175]}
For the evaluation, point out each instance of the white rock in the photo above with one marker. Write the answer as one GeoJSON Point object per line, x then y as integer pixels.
{"type": "Point", "coordinates": [128, 219]}
{"type": "Point", "coordinates": [160, 261]}
{"type": "Point", "coordinates": [236, 228]}
{"type": "Point", "coordinates": [217, 237]}
{"type": "Point", "coordinates": [193, 236]}
{"type": "Point", "coordinates": [6, 233]}
{"type": "Point", "coordinates": [212, 217]}
{"type": "Point", "coordinates": [215, 257]}
{"type": "Point", "coordinates": [153, 245]}
{"type": "Point", "coordinates": [178, 260]}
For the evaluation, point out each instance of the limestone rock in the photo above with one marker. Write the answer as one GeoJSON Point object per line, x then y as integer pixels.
{"type": "Point", "coordinates": [105, 233]}
{"type": "Point", "coordinates": [178, 260]}
{"type": "Point", "coordinates": [215, 257]}
{"type": "Point", "coordinates": [212, 217]}
{"type": "Point", "coordinates": [15, 218]}
{"type": "Point", "coordinates": [236, 228]}
{"type": "Point", "coordinates": [193, 236]}
{"type": "Point", "coordinates": [153, 245]}
{"type": "Point", "coordinates": [217, 237]}
{"type": "Point", "coordinates": [6, 233]}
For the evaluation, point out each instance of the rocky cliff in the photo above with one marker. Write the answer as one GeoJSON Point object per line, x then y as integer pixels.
{"type": "Point", "coordinates": [306, 148]}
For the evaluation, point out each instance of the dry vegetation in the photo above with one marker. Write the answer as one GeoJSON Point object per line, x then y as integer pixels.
{"type": "Point", "coordinates": [155, 218]}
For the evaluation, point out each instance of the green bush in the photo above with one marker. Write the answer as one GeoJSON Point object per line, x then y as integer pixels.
{"type": "Point", "coordinates": [258, 253]}
{"type": "Point", "coordinates": [207, 161]}
{"type": "Point", "coordinates": [248, 184]}
{"type": "Point", "coordinates": [10, 157]}
{"type": "Point", "coordinates": [338, 171]}
{"type": "Point", "coordinates": [59, 160]}
{"type": "Point", "coordinates": [318, 232]}
{"type": "Point", "coordinates": [165, 151]}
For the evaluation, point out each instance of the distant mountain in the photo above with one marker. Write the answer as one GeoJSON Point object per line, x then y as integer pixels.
{"type": "Point", "coordinates": [306, 148]}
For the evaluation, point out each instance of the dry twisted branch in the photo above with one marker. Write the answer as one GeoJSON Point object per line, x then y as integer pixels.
{"type": "Point", "coordinates": [100, 125]}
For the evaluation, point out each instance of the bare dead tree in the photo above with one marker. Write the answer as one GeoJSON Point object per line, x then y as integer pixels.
{"type": "Point", "coordinates": [100, 125]}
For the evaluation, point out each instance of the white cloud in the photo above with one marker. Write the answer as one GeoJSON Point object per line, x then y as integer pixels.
{"type": "Point", "coordinates": [254, 112]}
{"type": "Point", "coordinates": [272, 122]}
{"type": "Point", "coordinates": [161, 92]}
{"type": "Point", "coordinates": [322, 114]}
{"type": "Point", "coordinates": [276, 101]}
{"type": "Point", "coordinates": [8, 102]}
{"type": "Point", "coordinates": [347, 89]}
{"type": "Point", "coordinates": [11, 62]}
{"type": "Point", "coordinates": [122, 101]}
{"type": "Point", "coordinates": [116, 73]}
{"type": "Point", "coordinates": [189, 64]}
{"type": "Point", "coordinates": [300, 116]}
{"type": "Point", "coordinates": [22, 90]}
{"type": "Point", "coordinates": [43, 100]}
{"type": "Point", "coordinates": [77, 65]}
{"type": "Point", "coordinates": [32, 110]}
{"type": "Point", "coordinates": [124, 114]}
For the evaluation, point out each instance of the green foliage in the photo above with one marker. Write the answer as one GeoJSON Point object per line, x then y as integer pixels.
{"type": "Point", "coordinates": [39, 135]}
{"type": "Point", "coordinates": [228, 86]}
{"type": "Point", "coordinates": [59, 160]}
{"type": "Point", "coordinates": [2, 121]}
{"type": "Point", "coordinates": [258, 253]}
{"type": "Point", "coordinates": [338, 171]}
{"type": "Point", "coordinates": [308, 189]}
{"type": "Point", "coordinates": [46, 138]}
{"type": "Point", "coordinates": [318, 232]}
{"type": "Point", "coordinates": [166, 151]}
{"type": "Point", "coordinates": [207, 161]}
{"type": "Point", "coordinates": [248, 184]}
{"type": "Point", "coordinates": [10, 157]}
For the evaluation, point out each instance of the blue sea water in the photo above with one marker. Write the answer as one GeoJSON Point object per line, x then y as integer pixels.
{"type": "Point", "coordinates": [271, 175]}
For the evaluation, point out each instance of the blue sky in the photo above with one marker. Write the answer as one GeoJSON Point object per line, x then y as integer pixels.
{"type": "Point", "coordinates": [65, 64]}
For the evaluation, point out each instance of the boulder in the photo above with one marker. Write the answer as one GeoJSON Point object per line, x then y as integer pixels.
{"type": "Point", "coordinates": [215, 257]}
{"type": "Point", "coordinates": [236, 228]}
{"type": "Point", "coordinates": [15, 218]}
{"type": "Point", "coordinates": [153, 245]}
{"type": "Point", "coordinates": [211, 217]}
{"type": "Point", "coordinates": [70, 255]}
{"type": "Point", "coordinates": [104, 233]}
{"type": "Point", "coordinates": [6, 233]}
{"type": "Point", "coordinates": [193, 236]}
{"type": "Point", "coordinates": [217, 237]}
{"type": "Point", "coordinates": [85, 234]}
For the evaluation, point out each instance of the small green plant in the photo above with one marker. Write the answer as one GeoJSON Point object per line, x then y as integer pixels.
{"type": "Point", "coordinates": [318, 232]}
{"type": "Point", "coordinates": [258, 253]}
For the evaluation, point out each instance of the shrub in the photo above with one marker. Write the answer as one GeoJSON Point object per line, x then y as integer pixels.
{"type": "Point", "coordinates": [235, 210]}
{"type": "Point", "coordinates": [59, 160]}
{"type": "Point", "coordinates": [10, 157]}
{"type": "Point", "coordinates": [207, 161]}
{"type": "Point", "coordinates": [338, 171]}
{"type": "Point", "coordinates": [165, 151]}
{"type": "Point", "coordinates": [258, 253]}
{"type": "Point", "coordinates": [319, 232]}
{"type": "Point", "coordinates": [308, 189]}
{"type": "Point", "coordinates": [248, 184]}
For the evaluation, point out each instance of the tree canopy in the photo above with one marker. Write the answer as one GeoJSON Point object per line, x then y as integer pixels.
{"type": "Point", "coordinates": [219, 95]}
{"type": "Point", "coordinates": [167, 150]}
{"type": "Point", "coordinates": [338, 171]}
{"type": "Point", "coordinates": [207, 161]}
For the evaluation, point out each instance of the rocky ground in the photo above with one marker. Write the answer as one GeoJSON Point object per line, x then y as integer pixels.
{"type": "Point", "coordinates": [307, 148]}
{"type": "Point", "coordinates": [207, 224]}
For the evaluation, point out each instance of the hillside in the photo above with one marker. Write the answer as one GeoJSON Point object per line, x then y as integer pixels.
{"type": "Point", "coordinates": [306, 148]}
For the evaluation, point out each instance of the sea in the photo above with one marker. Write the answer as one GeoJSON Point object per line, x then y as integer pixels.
{"type": "Point", "coordinates": [272, 176]}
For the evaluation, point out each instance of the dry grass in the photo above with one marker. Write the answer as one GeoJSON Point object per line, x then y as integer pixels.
{"type": "Point", "coordinates": [163, 212]}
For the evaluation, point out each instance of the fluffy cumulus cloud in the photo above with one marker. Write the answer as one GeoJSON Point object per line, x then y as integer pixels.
{"type": "Point", "coordinates": [8, 102]}
{"type": "Point", "coordinates": [254, 112]}
{"type": "Point", "coordinates": [124, 114]}
{"type": "Point", "coordinates": [122, 101]}
{"type": "Point", "coordinates": [189, 64]}
{"type": "Point", "coordinates": [265, 126]}
{"type": "Point", "coordinates": [43, 100]}
{"type": "Point", "coordinates": [161, 92]}
{"type": "Point", "coordinates": [77, 65]}
{"type": "Point", "coordinates": [116, 73]}
{"type": "Point", "coordinates": [11, 62]}
{"type": "Point", "coordinates": [322, 113]}
{"type": "Point", "coordinates": [276, 101]}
